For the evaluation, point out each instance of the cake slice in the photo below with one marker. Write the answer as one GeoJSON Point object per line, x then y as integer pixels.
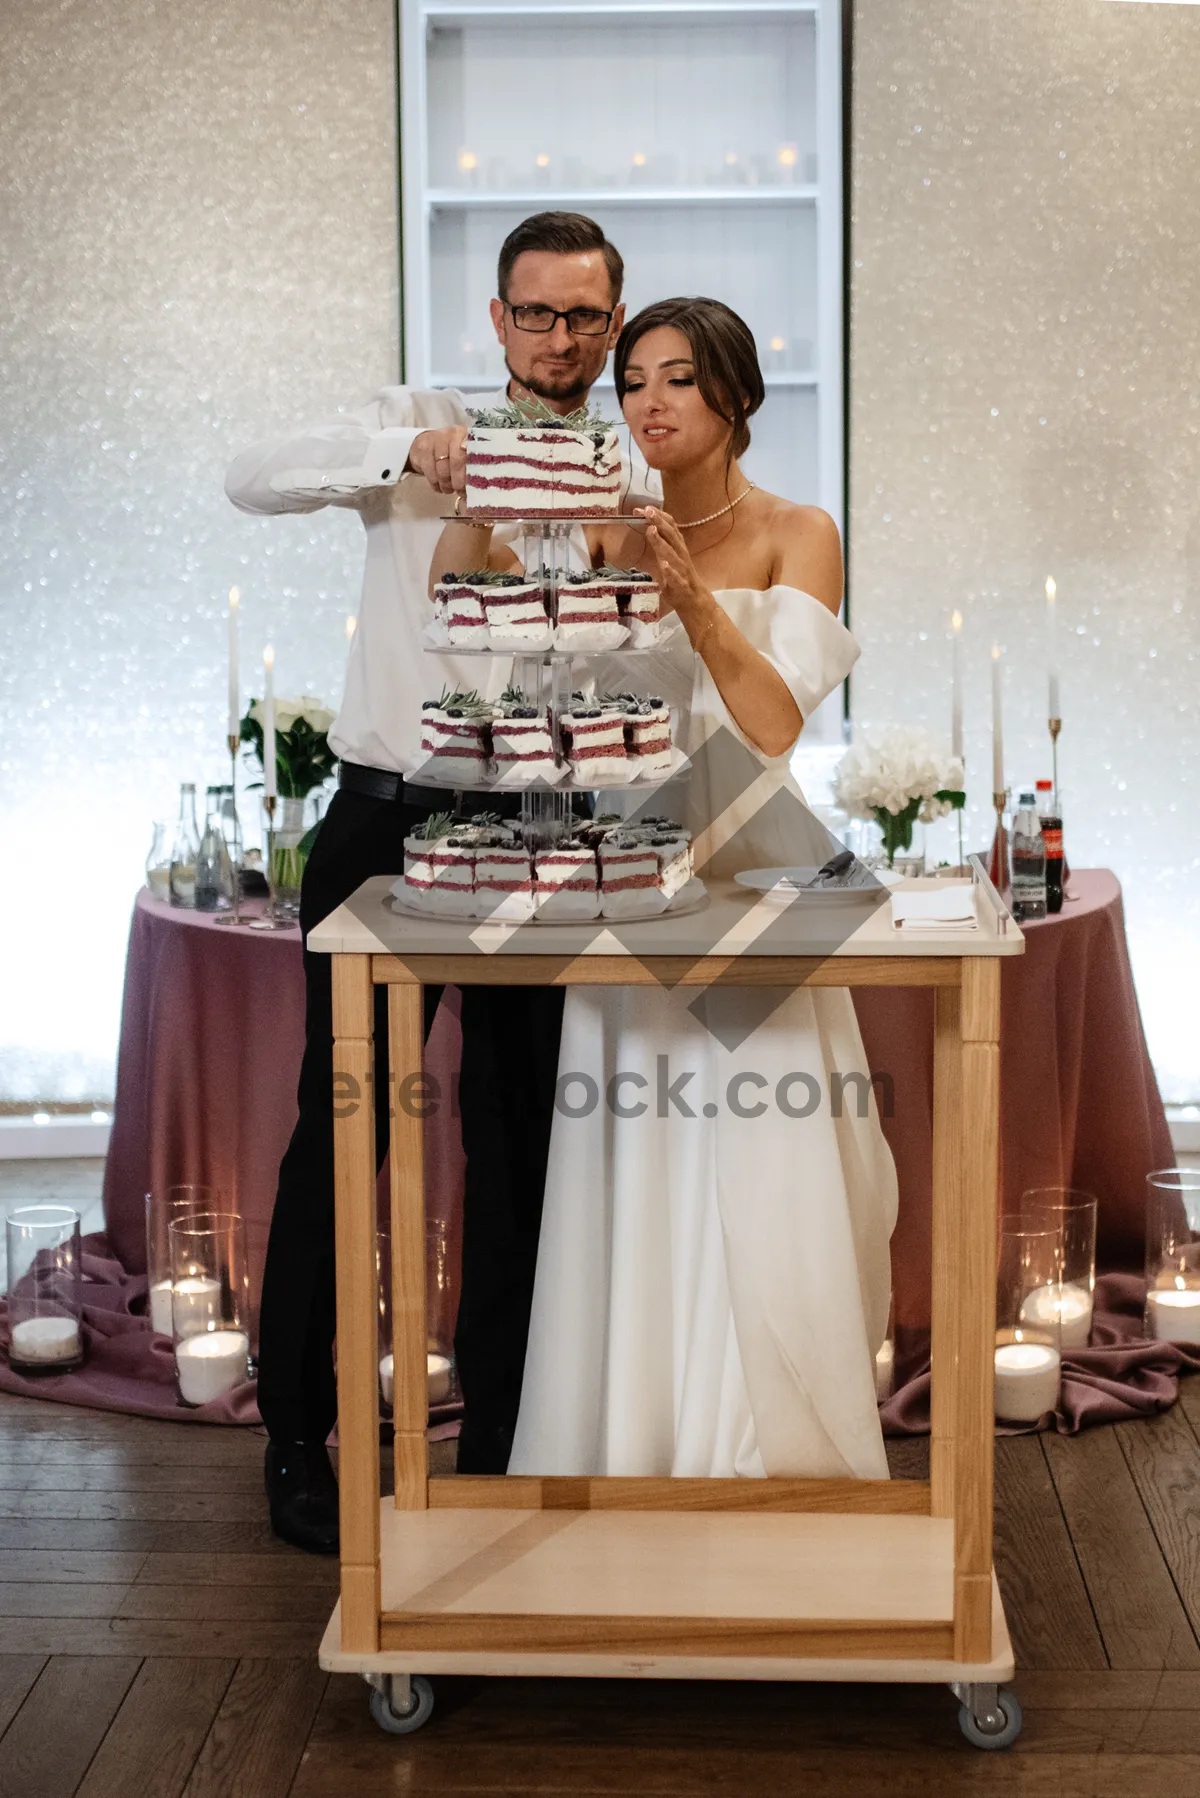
{"type": "Point", "coordinates": [648, 734]}
{"type": "Point", "coordinates": [629, 877]}
{"type": "Point", "coordinates": [522, 746]}
{"type": "Point", "coordinates": [503, 876]}
{"type": "Point", "coordinates": [588, 618]}
{"type": "Point", "coordinates": [594, 745]}
{"type": "Point", "coordinates": [515, 608]}
{"type": "Point", "coordinates": [456, 739]}
{"type": "Point", "coordinates": [439, 869]}
{"type": "Point", "coordinates": [636, 594]}
{"type": "Point", "coordinates": [567, 881]}
{"type": "Point", "coordinates": [458, 602]}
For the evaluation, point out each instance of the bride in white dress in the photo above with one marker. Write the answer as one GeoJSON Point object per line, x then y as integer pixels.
{"type": "Point", "coordinates": [712, 1288]}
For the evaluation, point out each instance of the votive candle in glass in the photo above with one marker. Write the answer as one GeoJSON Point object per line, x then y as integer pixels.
{"type": "Point", "coordinates": [163, 1205]}
{"type": "Point", "coordinates": [45, 1291]}
{"type": "Point", "coordinates": [1173, 1254]}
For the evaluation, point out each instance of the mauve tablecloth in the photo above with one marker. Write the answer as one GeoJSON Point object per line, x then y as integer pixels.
{"type": "Point", "coordinates": [212, 1029]}
{"type": "Point", "coordinates": [211, 1035]}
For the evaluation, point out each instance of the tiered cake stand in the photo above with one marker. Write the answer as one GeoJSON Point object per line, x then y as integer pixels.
{"type": "Point", "coordinates": [545, 677]}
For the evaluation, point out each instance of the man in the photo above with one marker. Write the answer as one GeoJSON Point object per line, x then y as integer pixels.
{"type": "Point", "coordinates": [396, 461]}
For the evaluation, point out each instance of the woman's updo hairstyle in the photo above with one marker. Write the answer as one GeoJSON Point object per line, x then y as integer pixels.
{"type": "Point", "coordinates": [723, 355]}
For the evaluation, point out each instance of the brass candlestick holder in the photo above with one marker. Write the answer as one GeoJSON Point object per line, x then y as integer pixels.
{"type": "Point", "coordinates": [998, 859]}
{"type": "Point", "coordinates": [234, 916]}
{"type": "Point", "coordinates": [1055, 727]}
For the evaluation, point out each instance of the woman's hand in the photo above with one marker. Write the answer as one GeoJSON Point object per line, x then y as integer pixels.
{"type": "Point", "coordinates": [679, 585]}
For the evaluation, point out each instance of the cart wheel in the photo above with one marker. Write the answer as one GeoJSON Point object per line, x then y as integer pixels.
{"type": "Point", "coordinates": [403, 1722]}
{"type": "Point", "coordinates": [998, 1726]}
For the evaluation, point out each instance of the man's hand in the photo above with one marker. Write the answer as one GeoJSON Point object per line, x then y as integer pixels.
{"type": "Point", "coordinates": [441, 456]}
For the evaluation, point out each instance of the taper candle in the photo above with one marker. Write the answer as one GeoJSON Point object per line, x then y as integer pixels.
{"type": "Point", "coordinates": [1052, 643]}
{"type": "Point", "coordinates": [997, 725]}
{"type": "Point", "coordinates": [270, 788]}
{"type": "Point", "coordinates": [351, 627]}
{"type": "Point", "coordinates": [235, 723]}
{"type": "Point", "coordinates": [956, 703]}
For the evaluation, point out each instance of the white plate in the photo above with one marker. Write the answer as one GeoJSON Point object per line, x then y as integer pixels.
{"type": "Point", "coordinates": [783, 887]}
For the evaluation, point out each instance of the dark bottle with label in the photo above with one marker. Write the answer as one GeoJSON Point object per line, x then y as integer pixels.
{"type": "Point", "coordinates": [1050, 819]}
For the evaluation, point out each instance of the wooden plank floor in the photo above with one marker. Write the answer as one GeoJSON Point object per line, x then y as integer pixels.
{"type": "Point", "coordinates": [155, 1639]}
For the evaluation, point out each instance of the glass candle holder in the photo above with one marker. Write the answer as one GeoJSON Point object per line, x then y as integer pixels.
{"type": "Point", "coordinates": [1173, 1254]}
{"type": "Point", "coordinates": [210, 1305]}
{"type": "Point", "coordinates": [45, 1291]}
{"type": "Point", "coordinates": [441, 1304]}
{"type": "Point", "coordinates": [1028, 1345]}
{"type": "Point", "coordinates": [163, 1206]}
{"type": "Point", "coordinates": [1070, 1295]}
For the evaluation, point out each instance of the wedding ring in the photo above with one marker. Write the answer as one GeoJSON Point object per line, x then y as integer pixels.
{"type": "Point", "coordinates": [441, 458]}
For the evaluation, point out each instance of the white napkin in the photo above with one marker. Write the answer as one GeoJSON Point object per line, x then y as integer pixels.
{"type": "Point", "coordinates": [949, 908]}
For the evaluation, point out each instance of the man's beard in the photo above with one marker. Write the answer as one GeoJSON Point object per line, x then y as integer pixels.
{"type": "Point", "coordinates": [572, 384]}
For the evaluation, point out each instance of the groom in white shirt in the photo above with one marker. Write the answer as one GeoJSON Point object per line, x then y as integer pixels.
{"type": "Point", "coordinates": [395, 461]}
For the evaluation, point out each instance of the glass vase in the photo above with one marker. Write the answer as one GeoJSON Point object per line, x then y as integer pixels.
{"type": "Point", "coordinates": [1069, 1296]}
{"type": "Point", "coordinates": [1028, 1336]}
{"type": "Point", "coordinates": [1173, 1254]}
{"type": "Point", "coordinates": [441, 1305]}
{"type": "Point", "coordinates": [45, 1290]}
{"type": "Point", "coordinates": [287, 855]}
{"type": "Point", "coordinates": [210, 1305]}
{"type": "Point", "coordinates": [163, 1206]}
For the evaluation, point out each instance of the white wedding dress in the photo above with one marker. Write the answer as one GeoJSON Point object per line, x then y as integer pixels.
{"type": "Point", "coordinates": [711, 1290]}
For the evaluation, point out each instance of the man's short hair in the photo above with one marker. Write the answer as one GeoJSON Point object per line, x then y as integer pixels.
{"type": "Point", "coordinates": [564, 234]}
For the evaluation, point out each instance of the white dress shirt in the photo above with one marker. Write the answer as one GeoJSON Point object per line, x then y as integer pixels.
{"type": "Point", "coordinates": [356, 460]}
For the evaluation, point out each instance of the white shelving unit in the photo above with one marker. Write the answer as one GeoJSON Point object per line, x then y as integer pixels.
{"type": "Point", "coordinates": [704, 136]}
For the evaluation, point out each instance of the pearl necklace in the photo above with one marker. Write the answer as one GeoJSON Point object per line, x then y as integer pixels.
{"type": "Point", "coordinates": [697, 522]}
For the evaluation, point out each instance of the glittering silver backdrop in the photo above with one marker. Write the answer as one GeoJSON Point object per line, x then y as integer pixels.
{"type": "Point", "coordinates": [197, 246]}
{"type": "Point", "coordinates": [1025, 401]}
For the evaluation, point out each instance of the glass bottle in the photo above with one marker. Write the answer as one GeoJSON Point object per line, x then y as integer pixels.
{"type": "Point", "coordinates": [185, 849]}
{"type": "Point", "coordinates": [214, 872]}
{"type": "Point", "coordinates": [158, 865]}
{"type": "Point", "coordinates": [1028, 862]}
{"type": "Point", "coordinates": [1050, 819]}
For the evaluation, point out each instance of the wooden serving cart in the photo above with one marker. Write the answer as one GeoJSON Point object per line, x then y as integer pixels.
{"type": "Point", "coordinates": [777, 1579]}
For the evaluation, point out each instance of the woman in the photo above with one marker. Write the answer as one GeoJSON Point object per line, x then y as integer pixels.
{"type": "Point", "coordinates": [713, 1275]}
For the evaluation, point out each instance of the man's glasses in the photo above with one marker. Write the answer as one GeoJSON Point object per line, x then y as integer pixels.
{"type": "Point", "coordinates": [581, 321]}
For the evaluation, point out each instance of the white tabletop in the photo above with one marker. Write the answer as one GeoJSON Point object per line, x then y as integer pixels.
{"type": "Point", "coordinates": [735, 921]}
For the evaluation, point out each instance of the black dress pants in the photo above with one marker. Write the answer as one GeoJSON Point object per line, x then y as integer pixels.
{"type": "Point", "coordinates": [506, 1098]}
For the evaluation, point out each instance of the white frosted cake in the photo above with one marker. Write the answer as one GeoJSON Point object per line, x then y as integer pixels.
{"type": "Point", "coordinates": [458, 604]}
{"type": "Point", "coordinates": [543, 468]}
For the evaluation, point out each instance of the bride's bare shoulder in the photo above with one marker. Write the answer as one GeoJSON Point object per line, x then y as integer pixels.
{"type": "Point", "coordinates": [806, 550]}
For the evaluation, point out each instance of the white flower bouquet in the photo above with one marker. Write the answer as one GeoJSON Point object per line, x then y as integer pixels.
{"type": "Point", "coordinates": [897, 778]}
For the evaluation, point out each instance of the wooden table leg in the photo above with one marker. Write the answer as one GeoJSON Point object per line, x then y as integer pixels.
{"type": "Point", "coordinates": [357, 1311]}
{"type": "Point", "coordinates": [976, 1308]}
{"type": "Point", "coordinates": [947, 1208]}
{"type": "Point", "coordinates": [410, 1381]}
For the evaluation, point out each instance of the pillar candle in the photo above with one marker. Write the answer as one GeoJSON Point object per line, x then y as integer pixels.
{"type": "Point", "coordinates": [210, 1365]}
{"type": "Point", "coordinates": [44, 1341]}
{"type": "Point", "coordinates": [235, 722]}
{"type": "Point", "coordinates": [1052, 643]}
{"type": "Point", "coordinates": [956, 703]}
{"type": "Point", "coordinates": [997, 725]}
{"type": "Point", "coordinates": [1028, 1376]}
{"type": "Point", "coordinates": [270, 788]}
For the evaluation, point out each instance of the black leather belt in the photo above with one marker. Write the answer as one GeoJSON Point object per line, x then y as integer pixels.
{"type": "Point", "coordinates": [382, 783]}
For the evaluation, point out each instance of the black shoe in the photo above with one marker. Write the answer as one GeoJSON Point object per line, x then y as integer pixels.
{"type": "Point", "coordinates": [303, 1495]}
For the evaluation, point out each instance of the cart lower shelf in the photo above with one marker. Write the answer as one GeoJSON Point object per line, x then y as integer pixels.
{"type": "Point", "coordinates": [612, 1594]}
